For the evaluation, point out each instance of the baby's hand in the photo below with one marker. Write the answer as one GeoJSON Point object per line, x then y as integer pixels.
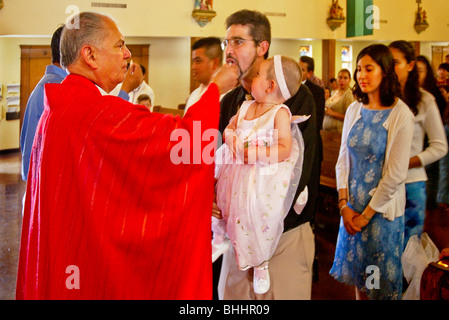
{"type": "Point", "coordinates": [234, 143]}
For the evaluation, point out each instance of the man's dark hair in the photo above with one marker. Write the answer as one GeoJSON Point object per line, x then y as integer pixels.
{"type": "Point", "coordinates": [55, 41]}
{"type": "Point", "coordinates": [212, 47]}
{"type": "Point", "coordinates": [143, 97]}
{"type": "Point", "coordinates": [260, 28]}
{"type": "Point", "coordinates": [444, 66]}
{"type": "Point", "coordinates": [310, 62]}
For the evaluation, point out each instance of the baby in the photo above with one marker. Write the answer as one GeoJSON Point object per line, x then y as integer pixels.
{"type": "Point", "coordinates": [258, 169]}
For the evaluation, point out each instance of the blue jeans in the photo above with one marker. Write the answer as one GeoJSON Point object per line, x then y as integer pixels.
{"type": "Point", "coordinates": [443, 184]}
{"type": "Point", "coordinates": [415, 209]}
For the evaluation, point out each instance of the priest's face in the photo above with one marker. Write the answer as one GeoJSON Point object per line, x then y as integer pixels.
{"type": "Point", "coordinates": [112, 58]}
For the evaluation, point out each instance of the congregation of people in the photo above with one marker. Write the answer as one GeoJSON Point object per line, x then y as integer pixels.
{"type": "Point", "coordinates": [104, 194]}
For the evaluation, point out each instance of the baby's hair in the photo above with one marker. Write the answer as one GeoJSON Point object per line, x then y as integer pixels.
{"type": "Point", "coordinates": [292, 73]}
{"type": "Point", "coordinates": [143, 97]}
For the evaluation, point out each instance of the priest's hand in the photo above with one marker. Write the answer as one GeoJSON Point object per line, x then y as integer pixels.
{"type": "Point", "coordinates": [216, 211]}
{"type": "Point", "coordinates": [133, 78]}
{"type": "Point", "coordinates": [226, 78]}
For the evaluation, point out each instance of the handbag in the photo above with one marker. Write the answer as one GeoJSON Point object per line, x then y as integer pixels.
{"type": "Point", "coordinates": [435, 281]}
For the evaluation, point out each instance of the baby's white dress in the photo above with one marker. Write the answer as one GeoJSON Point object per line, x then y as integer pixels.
{"type": "Point", "coordinates": [255, 198]}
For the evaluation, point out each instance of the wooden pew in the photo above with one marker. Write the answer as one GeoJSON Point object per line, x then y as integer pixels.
{"type": "Point", "coordinates": [331, 149]}
{"type": "Point", "coordinates": [161, 109]}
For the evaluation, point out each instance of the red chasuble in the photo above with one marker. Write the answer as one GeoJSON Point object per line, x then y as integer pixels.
{"type": "Point", "coordinates": [110, 212]}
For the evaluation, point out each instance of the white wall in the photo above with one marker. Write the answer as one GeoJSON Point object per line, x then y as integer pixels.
{"type": "Point", "coordinates": [168, 68]}
{"type": "Point", "coordinates": [10, 73]}
{"type": "Point", "coordinates": [172, 18]}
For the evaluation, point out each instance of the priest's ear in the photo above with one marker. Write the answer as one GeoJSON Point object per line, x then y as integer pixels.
{"type": "Point", "coordinates": [88, 54]}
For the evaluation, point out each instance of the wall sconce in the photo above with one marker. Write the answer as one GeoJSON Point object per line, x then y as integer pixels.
{"type": "Point", "coordinates": [203, 12]}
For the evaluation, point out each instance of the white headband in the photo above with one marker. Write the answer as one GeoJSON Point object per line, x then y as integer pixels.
{"type": "Point", "coordinates": [280, 77]}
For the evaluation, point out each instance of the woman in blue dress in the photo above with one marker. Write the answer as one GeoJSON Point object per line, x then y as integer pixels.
{"type": "Point", "coordinates": [371, 170]}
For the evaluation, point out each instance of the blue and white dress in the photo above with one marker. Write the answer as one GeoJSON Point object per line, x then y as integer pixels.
{"type": "Point", "coordinates": [370, 259]}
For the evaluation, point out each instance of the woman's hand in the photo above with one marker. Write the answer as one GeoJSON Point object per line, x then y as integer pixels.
{"type": "Point", "coordinates": [334, 114]}
{"type": "Point", "coordinates": [360, 221]}
{"type": "Point", "coordinates": [349, 216]}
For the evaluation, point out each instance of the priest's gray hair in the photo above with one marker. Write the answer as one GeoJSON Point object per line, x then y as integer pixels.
{"type": "Point", "coordinates": [85, 28]}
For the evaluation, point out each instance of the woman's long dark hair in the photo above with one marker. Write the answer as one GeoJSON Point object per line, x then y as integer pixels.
{"type": "Point", "coordinates": [390, 88]}
{"type": "Point", "coordinates": [412, 95]}
{"type": "Point", "coordinates": [430, 84]}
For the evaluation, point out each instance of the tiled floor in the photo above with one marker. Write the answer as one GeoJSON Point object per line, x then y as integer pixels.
{"type": "Point", "coordinates": [11, 192]}
{"type": "Point", "coordinates": [324, 288]}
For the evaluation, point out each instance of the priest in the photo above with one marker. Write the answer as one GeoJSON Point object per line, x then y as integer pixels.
{"type": "Point", "coordinates": [109, 214]}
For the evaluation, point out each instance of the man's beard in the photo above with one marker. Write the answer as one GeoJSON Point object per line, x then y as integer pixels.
{"type": "Point", "coordinates": [231, 60]}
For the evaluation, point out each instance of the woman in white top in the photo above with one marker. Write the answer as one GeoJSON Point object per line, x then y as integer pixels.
{"type": "Point", "coordinates": [337, 104]}
{"type": "Point", "coordinates": [427, 123]}
{"type": "Point", "coordinates": [370, 173]}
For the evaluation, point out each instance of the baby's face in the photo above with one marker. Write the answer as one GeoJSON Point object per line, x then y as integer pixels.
{"type": "Point", "coordinates": [260, 82]}
{"type": "Point", "coordinates": [442, 73]}
{"type": "Point", "coordinates": [145, 103]}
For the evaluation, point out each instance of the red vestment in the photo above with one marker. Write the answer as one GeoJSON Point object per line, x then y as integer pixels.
{"type": "Point", "coordinates": [108, 215]}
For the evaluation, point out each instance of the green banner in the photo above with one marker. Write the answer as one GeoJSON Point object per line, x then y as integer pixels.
{"type": "Point", "coordinates": [358, 13]}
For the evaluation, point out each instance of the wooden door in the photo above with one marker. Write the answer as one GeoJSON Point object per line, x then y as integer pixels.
{"type": "Point", "coordinates": [438, 54]}
{"type": "Point", "coordinates": [140, 54]}
{"type": "Point", "coordinates": [34, 59]}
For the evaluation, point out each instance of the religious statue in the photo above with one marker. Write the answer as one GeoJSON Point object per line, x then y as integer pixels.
{"type": "Point", "coordinates": [421, 23]}
{"type": "Point", "coordinates": [205, 5]}
{"type": "Point", "coordinates": [336, 11]}
{"type": "Point", "coordinates": [421, 15]}
{"type": "Point", "coordinates": [203, 12]}
{"type": "Point", "coordinates": [336, 15]}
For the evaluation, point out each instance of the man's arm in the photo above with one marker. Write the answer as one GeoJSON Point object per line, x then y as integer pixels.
{"type": "Point", "coordinates": [133, 79]}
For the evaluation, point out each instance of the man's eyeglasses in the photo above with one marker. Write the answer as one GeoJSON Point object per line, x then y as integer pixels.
{"type": "Point", "coordinates": [234, 43]}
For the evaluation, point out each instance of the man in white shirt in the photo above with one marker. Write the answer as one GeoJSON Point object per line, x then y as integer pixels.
{"type": "Point", "coordinates": [207, 57]}
{"type": "Point", "coordinates": [126, 92]}
{"type": "Point", "coordinates": [143, 88]}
